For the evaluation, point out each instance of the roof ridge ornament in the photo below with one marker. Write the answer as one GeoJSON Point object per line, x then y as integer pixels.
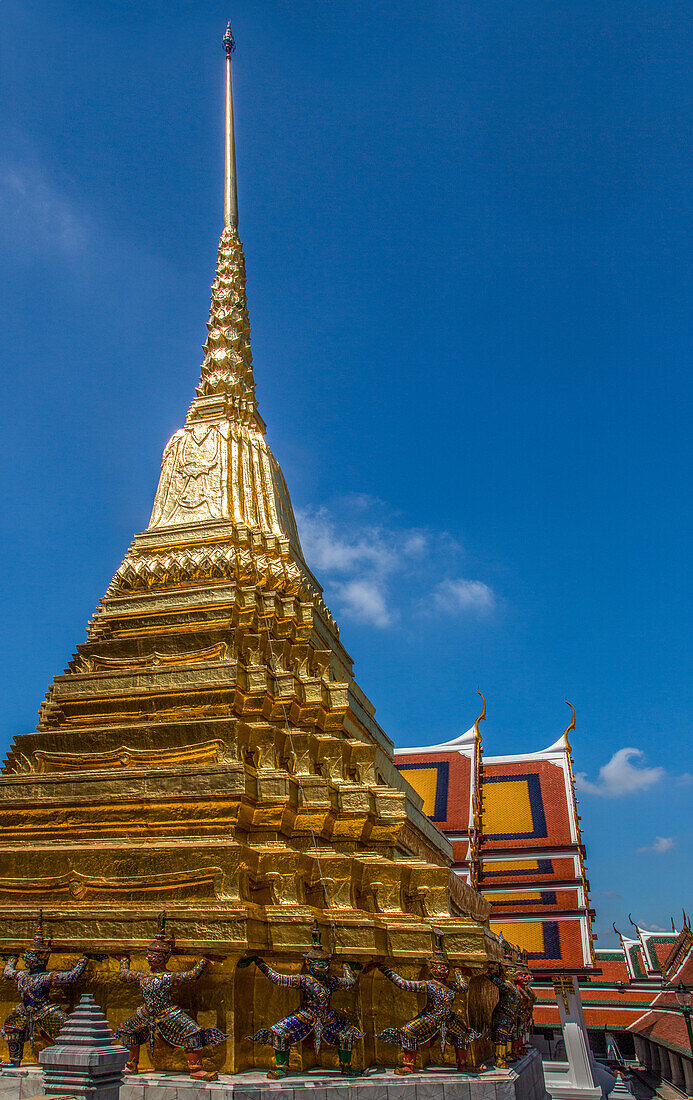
{"type": "Point", "coordinates": [481, 718]}
{"type": "Point", "coordinates": [568, 728]}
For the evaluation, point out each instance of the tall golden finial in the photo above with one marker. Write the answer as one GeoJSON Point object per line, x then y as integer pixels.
{"type": "Point", "coordinates": [230, 191]}
{"type": "Point", "coordinates": [476, 800]}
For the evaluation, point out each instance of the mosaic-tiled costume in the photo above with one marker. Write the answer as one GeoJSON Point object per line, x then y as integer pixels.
{"type": "Point", "coordinates": [314, 1017]}
{"type": "Point", "coordinates": [438, 1019]}
{"type": "Point", "coordinates": [35, 1017]}
{"type": "Point", "coordinates": [523, 1026]}
{"type": "Point", "coordinates": [159, 1015]}
{"type": "Point", "coordinates": [505, 1015]}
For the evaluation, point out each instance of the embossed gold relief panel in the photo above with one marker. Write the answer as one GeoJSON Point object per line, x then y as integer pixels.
{"type": "Point", "coordinates": [193, 476]}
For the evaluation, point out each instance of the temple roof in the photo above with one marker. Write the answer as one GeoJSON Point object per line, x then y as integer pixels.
{"type": "Point", "coordinates": [513, 824]}
{"type": "Point", "coordinates": [664, 1022]}
{"type": "Point", "coordinates": [629, 987]}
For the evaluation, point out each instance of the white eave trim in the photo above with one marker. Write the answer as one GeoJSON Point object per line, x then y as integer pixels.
{"type": "Point", "coordinates": [464, 744]}
{"type": "Point", "coordinates": [556, 750]}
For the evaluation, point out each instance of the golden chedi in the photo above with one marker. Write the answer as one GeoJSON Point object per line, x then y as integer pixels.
{"type": "Point", "coordinates": [208, 751]}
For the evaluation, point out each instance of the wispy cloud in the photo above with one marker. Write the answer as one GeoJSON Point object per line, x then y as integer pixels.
{"type": "Point", "coordinates": [659, 845]}
{"type": "Point", "coordinates": [452, 596]}
{"type": "Point", "coordinates": [620, 776]}
{"type": "Point", "coordinates": [32, 207]}
{"type": "Point", "coordinates": [364, 601]}
{"type": "Point", "coordinates": [356, 561]}
{"type": "Point", "coordinates": [375, 569]}
{"type": "Point", "coordinates": [335, 551]}
{"type": "Point", "coordinates": [612, 894]}
{"type": "Point", "coordinates": [653, 927]}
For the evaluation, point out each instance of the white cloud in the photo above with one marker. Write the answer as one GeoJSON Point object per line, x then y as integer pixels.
{"type": "Point", "coordinates": [653, 927]}
{"type": "Point", "coordinates": [358, 562]}
{"type": "Point", "coordinates": [339, 552]}
{"type": "Point", "coordinates": [620, 776]}
{"type": "Point", "coordinates": [365, 602]}
{"type": "Point", "coordinates": [460, 595]}
{"type": "Point", "coordinates": [415, 544]}
{"type": "Point", "coordinates": [660, 844]}
{"type": "Point", "coordinates": [375, 570]}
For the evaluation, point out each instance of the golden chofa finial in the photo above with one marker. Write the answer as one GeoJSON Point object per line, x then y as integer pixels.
{"type": "Point", "coordinates": [230, 191]}
{"type": "Point", "coordinates": [570, 727]}
{"type": "Point", "coordinates": [482, 716]}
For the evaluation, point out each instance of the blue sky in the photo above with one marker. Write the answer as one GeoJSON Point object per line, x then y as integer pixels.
{"type": "Point", "coordinates": [467, 229]}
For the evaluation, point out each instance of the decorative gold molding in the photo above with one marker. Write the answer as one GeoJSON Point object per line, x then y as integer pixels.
{"type": "Point", "coordinates": [81, 887]}
{"type": "Point", "coordinates": [95, 663]}
{"type": "Point", "coordinates": [209, 752]}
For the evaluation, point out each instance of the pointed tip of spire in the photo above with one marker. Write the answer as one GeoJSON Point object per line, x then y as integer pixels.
{"type": "Point", "coordinates": [228, 40]}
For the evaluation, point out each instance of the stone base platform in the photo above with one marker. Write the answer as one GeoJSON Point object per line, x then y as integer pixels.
{"type": "Point", "coordinates": [523, 1081]}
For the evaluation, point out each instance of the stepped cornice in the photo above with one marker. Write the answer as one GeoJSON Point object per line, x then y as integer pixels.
{"type": "Point", "coordinates": [248, 557]}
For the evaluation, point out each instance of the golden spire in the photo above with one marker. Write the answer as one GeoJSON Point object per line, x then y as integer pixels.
{"type": "Point", "coordinates": [228, 365]}
{"type": "Point", "coordinates": [219, 466]}
{"type": "Point", "coordinates": [230, 191]}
